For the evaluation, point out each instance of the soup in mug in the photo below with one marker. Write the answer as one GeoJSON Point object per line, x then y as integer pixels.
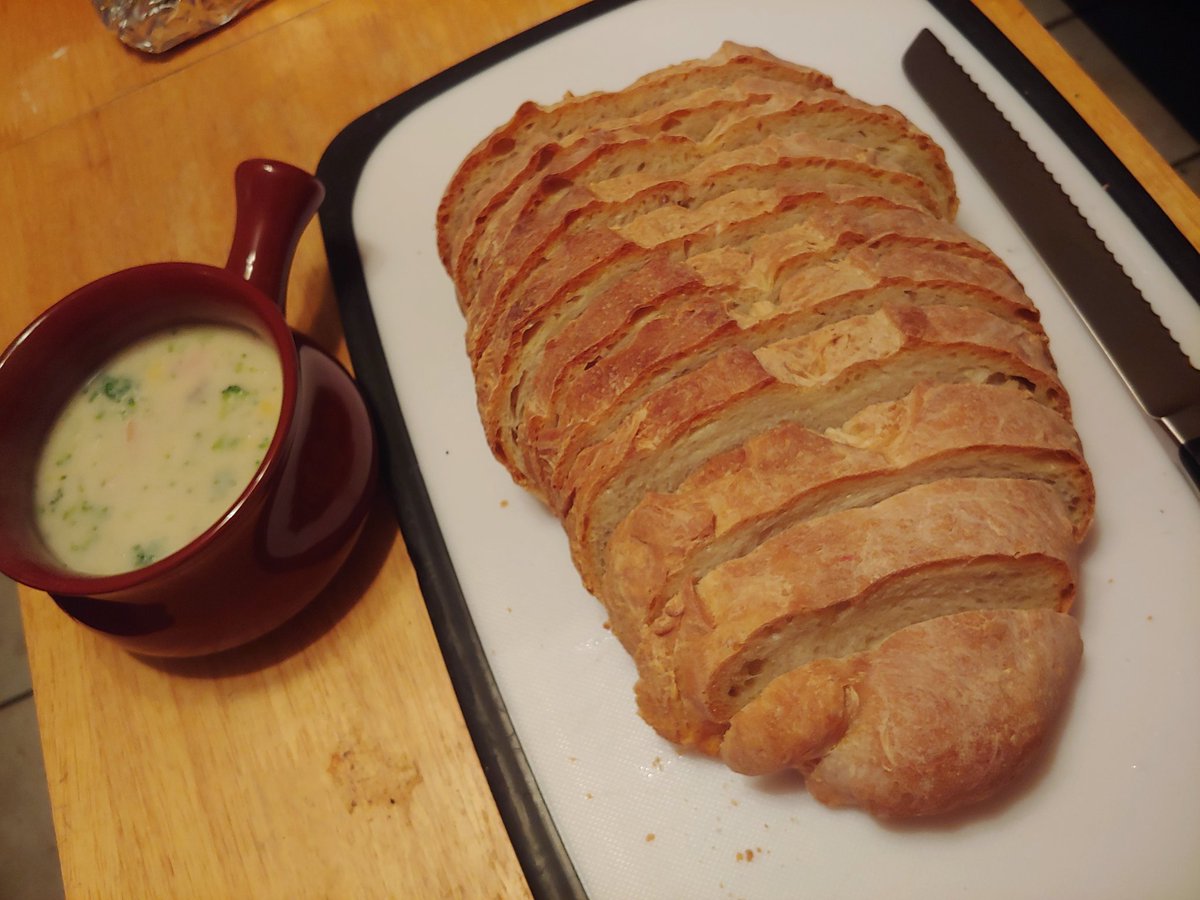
{"type": "Point", "coordinates": [156, 446]}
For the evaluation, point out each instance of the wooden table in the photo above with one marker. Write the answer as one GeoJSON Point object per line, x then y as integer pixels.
{"type": "Point", "coordinates": [330, 759]}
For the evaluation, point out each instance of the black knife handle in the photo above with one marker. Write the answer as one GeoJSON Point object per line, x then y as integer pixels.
{"type": "Point", "coordinates": [1190, 454]}
{"type": "Point", "coordinates": [1184, 425]}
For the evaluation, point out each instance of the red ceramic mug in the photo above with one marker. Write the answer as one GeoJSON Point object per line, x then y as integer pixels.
{"type": "Point", "coordinates": [289, 530]}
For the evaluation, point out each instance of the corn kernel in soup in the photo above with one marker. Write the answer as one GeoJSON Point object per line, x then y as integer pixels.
{"type": "Point", "coordinates": [157, 446]}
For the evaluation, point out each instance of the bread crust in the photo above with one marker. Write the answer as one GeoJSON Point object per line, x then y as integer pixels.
{"type": "Point", "coordinates": [943, 714]}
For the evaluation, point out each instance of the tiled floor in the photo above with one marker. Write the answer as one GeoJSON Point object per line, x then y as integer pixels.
{"type": "Point", "coordinates": [28, 859]}
{"type": "Point", "coordinates": [1176, 145]}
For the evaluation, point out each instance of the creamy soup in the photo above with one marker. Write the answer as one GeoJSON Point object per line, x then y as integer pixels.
{"type": "Point", "coordinates": [156, 446]}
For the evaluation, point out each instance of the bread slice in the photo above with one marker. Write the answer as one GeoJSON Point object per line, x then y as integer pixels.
{"type": "Point", "coordinates": [943, 713]}
{"type": "Point", "coordinates": [841, 583]}
{"type": "Point", "coordinates": [739, 499]}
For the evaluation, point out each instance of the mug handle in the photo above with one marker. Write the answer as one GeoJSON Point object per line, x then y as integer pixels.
{"type": "Point", "coordinates": [275, 202]}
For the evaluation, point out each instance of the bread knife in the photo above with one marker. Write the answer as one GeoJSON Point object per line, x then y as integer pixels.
{"type": "Point", "coordinates": [1147, 357]}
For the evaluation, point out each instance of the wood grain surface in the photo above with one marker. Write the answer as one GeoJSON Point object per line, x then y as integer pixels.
{"type": "Point", "coordinates": [329, 759]}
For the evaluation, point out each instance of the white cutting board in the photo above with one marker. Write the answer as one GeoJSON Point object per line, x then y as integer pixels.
{"type": "Point", "coordinates": [1112, 812]}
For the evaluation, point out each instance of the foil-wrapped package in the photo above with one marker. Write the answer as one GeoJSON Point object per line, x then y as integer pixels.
{"type": "Point", "coordinates": [157, 25]}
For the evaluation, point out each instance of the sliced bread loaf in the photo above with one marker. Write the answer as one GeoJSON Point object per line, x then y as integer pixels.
{"type": "Point", "coordinates": [805, 435]}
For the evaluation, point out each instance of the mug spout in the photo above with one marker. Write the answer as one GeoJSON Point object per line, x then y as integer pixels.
{"type": "Point", "coordinates": [275, 202]}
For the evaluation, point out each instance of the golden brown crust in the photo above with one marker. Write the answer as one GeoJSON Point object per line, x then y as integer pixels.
{"type": "Point", "coordinates": [942, 714]}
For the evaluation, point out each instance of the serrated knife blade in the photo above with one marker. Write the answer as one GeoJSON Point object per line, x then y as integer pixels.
{"type": "Point", "coordinates": [1151, 363]}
